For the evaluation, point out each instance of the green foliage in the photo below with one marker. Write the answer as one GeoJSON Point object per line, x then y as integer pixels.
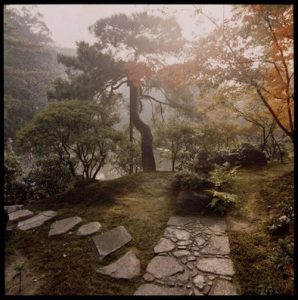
{"type": "Point", "coordinates": [79, 133]}
{"type": "Point", "coordinates": [30, 65]}
{"type": "Point", "coordinates": [222, 175]}
{"type": "Point", "coordinates": [126, 157]}
{"type": "Point", "coordinates": [189, 180]}
{"type": "Point", "coordinates": [14, 190]}
{"type": "Point", "coordinates": [222, 202]}
{"type": "Point", "coordinates": [49, 176]}
{"type": "Point", "coordinates": [279, 225]}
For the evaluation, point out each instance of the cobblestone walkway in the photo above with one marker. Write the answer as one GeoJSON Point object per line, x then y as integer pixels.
{"type": "Point", "coordinates": [192, 258]}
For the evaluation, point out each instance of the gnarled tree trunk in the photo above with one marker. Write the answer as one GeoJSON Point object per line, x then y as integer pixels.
{"type": "Point", "coordinates": [148, 161]}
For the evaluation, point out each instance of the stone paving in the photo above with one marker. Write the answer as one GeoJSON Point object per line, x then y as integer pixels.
{"type": "Point", "coordinates": [192, 258]}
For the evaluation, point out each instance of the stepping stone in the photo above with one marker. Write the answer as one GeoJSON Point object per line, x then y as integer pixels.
{"type": "Point", "coordinates": [222, 266]}
{"type": "Point", "coordinates": [180, 253]}
{"type": "Point", "coordinates": [180, 221]}
{"type": "Point", "coordinates": [127, 267]}
{"type": "Point", "coordinates": [89, 228]}
{"type": "Point", "coordinates": [215, 224]}
{"type": "Point", "coordinates": [223, 287]}
{"type": "Point", "coordinates": [164, 245]}
{"type": "Point", "coordinates": [20, 214]}
{"type": "Point", "coordinates": [111, 241]}
{"type": "Point", "coordinates": [37, 220]}
{"type": "Point", "coordinates": [12, 208]}
{"type": "Point", "coordinates": [163, 266]}
{"type": "Point", "coordinates": [177, 233]}
{"type": "Point", "coordinates": [217, 245]}
{"type": "Point", "coordinates": [155, 290]}
{"type": "Point", "coordinates": [64, 225]}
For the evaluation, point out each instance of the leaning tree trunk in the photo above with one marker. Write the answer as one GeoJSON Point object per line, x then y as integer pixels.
{"type": "Point", "coordinates": [148, 161]}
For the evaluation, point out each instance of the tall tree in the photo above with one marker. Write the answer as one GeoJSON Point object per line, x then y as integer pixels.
{"type": "Point", "coordinates": [138, 44]}
{"type": "Point", "coordinates": [254, 49]}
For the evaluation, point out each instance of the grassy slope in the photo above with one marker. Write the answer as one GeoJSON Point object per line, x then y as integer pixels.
{"type": "Point", "coordinates": [252, 250]}
{"type": "Point", "coordinates": [140, 202]}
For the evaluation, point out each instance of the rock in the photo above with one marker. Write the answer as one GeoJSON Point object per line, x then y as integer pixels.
{"type": "Point", "coordinates": [217, 245]}
{"type": "Point", "coordinates": [164, 245]}
{"type": "Point", "coordinates": [148, 277]}
{"type": "Point", "coordinates": [111, 241]}
{"type": "Point", "coordinates": [163, 266]}
{"type": "Point", "coordinates": [191, 258]}
{"type": "Point", "coordinates": [149, 289]}
{"type": "Point", "coordinates": [127, 267]}
{"type": "Point", "coordinates": [211, 277]}
{"type": "Point", "coordinates": [12, 208]}
{"type": "Point", "coordinates": [199, 281]}
{"type": "Point", "coordinates": [221, 266]}
{"type": "Point", "coordinates": [37, 220]}
{"type": "Point", "coordinates": [200, 241]}
{"type": "Point", "coordinates": [180, 253]}
{"type": "Point", "coordinates": [184, 243]}
{"type": "Point", "coordinates": [184, 260]}
{"type": "Point", "coordinates": [89, 228]}
{"type": "Point", "coordinates": [190, 266]}
{"type": "Point", "coordinates": [177, 233]}
{"type": "Point", "coordinates": [206, 290]}
{"type": "Point", "coordinates": [223, 287]}
{"type": "Point", "coordinates": [177, 221]}
{"type": "Point", "coordinates": [182, 247]}
{"type": "Point", "coordinates": [196, 253]}
{"type": "Point", "coordinates": [19, 214]}
{"type": "Point", "coordinates": [197, 292]}
{"type": "Point", "coordinates": [183, 277]}
{"type": "Point", "coordinates": [64, 225]}
{"type": "Point", "coordinates": [214, 224]}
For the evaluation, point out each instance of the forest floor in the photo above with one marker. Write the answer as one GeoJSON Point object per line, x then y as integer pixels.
{"type": "Point", "coordinates": [143, 203]}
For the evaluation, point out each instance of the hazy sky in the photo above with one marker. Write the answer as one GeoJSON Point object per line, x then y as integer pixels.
{"type": "Point", "coordinates": [69, 23]}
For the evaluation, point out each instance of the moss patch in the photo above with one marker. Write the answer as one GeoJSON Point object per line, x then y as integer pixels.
{"type": "Point", "coordinates": [67, 264]}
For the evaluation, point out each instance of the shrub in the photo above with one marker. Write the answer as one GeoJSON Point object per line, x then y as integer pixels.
{"type": "Point", "coordinates": [279, 225]}
{"type": "Point", "coordinates": [222, 202]}
{"type": "Point", "coordinates": [48, 177]}
{"type": "Point", "coordinates": [189, 180]}
{"type": "Point", "coordinates": [14, 189]}
{"type": "Point", "coordinates": [222, 175]}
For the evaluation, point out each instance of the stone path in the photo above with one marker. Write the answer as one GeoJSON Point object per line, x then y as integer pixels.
{"type": "Point", "coordinates": [192, 258]}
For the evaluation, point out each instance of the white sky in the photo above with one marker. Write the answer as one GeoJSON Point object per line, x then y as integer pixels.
{"type": "Point", "coordinates": [69, 23]}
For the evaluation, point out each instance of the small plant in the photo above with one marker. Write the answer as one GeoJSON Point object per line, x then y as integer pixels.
{"type": "Point", "coordinates": [189, 180]}
{"type": "Point", "coordinates": [222, 175]}
{"type": "Point", "coordinates": [222, 202]}
{"type": "Point", "coordinates": [18, 273]}
{"type": "Point", "coordinates": [279, 225]}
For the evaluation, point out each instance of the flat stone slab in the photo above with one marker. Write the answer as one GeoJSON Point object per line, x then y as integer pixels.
{"type": "Point", "coordinates": [164, 245]}
{"type": "Point", "coordinates": [163, 266]}
{"type": "Point", "coordinates": [127, 267]}
{"type": "Point", "coordinates": [111, 241]}
{"type": "Point", "coordinates": [37, 220]}
{"type": "Point", "coordinates": [181, 253]}
{"type": "Point", "coordinates": [214, 224]}
{"type": "Point", "coordinates": [180, 221]}
{"type": "Point", "coordinates": [177, 233]}
{"type": "Point", "coordinates": [11, 208]}
{"type": "Point", "coordinates": [222, 266]}
{"type": "Point", "coordinates": [62, 226]}
{"type": "Point", "coordinates": [223, 287]}
{"type": "Point", "coordinates": [89, 228]}
{"type": "Point", "coordinates": [217, 245]}
{"type": "Point", "coordinates": [20, 214]}
{"type": "Point", "coordinates": [200, 241]}
{"type": "Point", "coordinates": [155, 290]}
